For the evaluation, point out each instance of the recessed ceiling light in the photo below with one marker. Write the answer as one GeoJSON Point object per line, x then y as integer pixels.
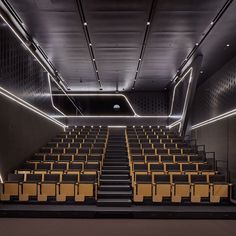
{"type": "Point", "coordinates": [165, 88]}
{"type": "Point", "coordinates": [148, 23]}
{"type": "Point", "coordinates": [85, 24]}
{"type": "Point", "coordinates": [90, 45]}
{"type": "Point", "coordinates": [139, 59]}
{"type": "Point", "coordinates": [201, 72]}
{"type": "Point", "coordinates": [212, 22]}
{"type": "Point", "coordinates": [97, 71]}
{"type": "Point", "coordinates": [93, 59]}
{"type": "Point", "coordinates": [196, 44]}
{"type": "Point", "coordinates": [227, 45]}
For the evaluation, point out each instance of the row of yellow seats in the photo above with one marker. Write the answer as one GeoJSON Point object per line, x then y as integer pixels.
{"type": "Point", "coordinates": [161, 188]}
{"type": "Point", "coordinates": [74, 186]}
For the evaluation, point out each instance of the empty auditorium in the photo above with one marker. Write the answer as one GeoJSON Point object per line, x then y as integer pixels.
{"type": "Point", "coordinates": [118, 117]}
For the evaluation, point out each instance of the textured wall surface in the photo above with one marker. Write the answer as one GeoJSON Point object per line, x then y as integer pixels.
{"type": "Point", "coordinates": [21, 74]}
{"type": "Point", "coordinates": [150, 103]}
{"type": "Point", "coordinates": [216, 96]}
{"type": "Point", "coordinates": [23, 132]}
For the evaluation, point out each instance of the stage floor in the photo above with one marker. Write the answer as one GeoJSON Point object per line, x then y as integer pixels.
{"type": "Point", "coordinates": [133, 212]}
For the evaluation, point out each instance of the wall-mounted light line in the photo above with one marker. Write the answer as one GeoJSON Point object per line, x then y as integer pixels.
{"type": "Point", "coordinates": [27, 105]}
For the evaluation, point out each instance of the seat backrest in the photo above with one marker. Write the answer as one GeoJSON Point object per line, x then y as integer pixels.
{"type": "Point", "coordinates": [156, 167]}
{"type": "Point", "coordinates": [143, 178]}
{"type": "Point", "coordinates": [34, 178]}
{"type": "Point", "coordinates": [189, 167]}
{"type": "Point", "coordinates": [94, 167]}
{"type": "Point", "coordinates": [138, 158]}
{"type": "Point", "coordinates": [74, 166]}
{"type": "Point", "coordinates": [173, 167]}
{"type": "Point", "coordinates": [59, 166]}
{"type": "Point", "coordinates": [162, 178]}
{"type": "Point", "coordinates": [44, 166]}
{"type": "Point", "coordinates": [217, 179]}
{"type": "Point", "coordinates": [87, 178]}
{"type": "Point", "coordinates": [16, 177]}
{"type": "Point", "coordinates": [140, 167]}
{"type": "Point", "coordinates": [51, 178]}
{"type": "Point", "coordinates": [65, 157]}
{"type": "Point", "coordinates": [198, 179]}
{"type": "Point", "coordinates": [81, 158]}
{"type": "Point", "coordinates": [70, 178]}
{"type": "Point", "coordinates": [180, 178]}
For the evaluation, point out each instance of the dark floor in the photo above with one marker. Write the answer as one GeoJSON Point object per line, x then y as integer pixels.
{"type": "Point", "coordinates": [133, 212]}
{"type": "Point", "coordinates": [116, 227]}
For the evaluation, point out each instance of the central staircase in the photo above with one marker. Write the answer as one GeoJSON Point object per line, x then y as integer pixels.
{"type": "Point", "coordinates": [115, 182]}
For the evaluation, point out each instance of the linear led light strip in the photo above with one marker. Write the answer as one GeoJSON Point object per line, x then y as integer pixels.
{"type": "Point", "coordinates": [178, 122]}
{"type": "Point", "coordinates": [174, 124]}
{"type": "Point", "coordinates": [113, 95]}
{"type": "Point", "coordinates": [20, 101]}
{"type": "Point", "coordinates": [214, 119]}
{"type": "Point", "coordinates": [22, 41]}
{"type": "Point", "coordinates": [173, 95]}
{"type": "Point", "coordinates": [117, 126]}
{"type": "Point", "coordinates": [1, 179]}
{"type": "Point", "coordinates": [50, 89]}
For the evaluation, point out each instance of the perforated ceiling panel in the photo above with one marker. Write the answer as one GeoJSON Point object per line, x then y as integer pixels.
{"type": "Point", "coordinates": [217, 95]}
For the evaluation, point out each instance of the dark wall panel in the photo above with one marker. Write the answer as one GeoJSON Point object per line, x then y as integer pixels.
{"type": "Point", "coordinates": [114, 121]}
{"type": "Point", "coordinates": [220, 137]}
{"type": "Point", "coordinates": [21, 74]}
{"type": "Point", "coordinates": [214, 97]}
{"type": "Point", "coordinates": [149, 103]}
{"type": "Point", "coordinates": [217, 94]}
{"type": "Point", "coordinates": [23, 132]}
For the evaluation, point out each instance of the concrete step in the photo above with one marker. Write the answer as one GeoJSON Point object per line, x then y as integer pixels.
{"type": "Point", "coordinates": [115, 194]}
{"type": "Point", "coordinates": [115, 176]}
{"type": "Point", "coordinates": [115, 182]}
{"type": "Point", "coordinates": [114, 202]}
{"type": "Point", "coordinates": [115, 187]}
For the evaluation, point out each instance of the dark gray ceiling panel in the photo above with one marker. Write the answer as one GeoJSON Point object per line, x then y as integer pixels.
{"type": "Point", "coordinates": [116, 29]}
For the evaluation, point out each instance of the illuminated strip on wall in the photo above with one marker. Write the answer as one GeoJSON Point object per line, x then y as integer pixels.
{"type": "Point", "coordinates": [173, 95]}
{"type": "Point", "coordinates": [112, 95]}
{"type": "Point", "coordinates": [25, 104]}
{"type": "Point", "coordinates": [1, 179]}
{"type": "Point", "coordinates": [52, 76]}
{"type": "Point", "coordinates": [178, 122]}
{"type": "Point", "coordinates": [186, 98]}
{"type": "Point", "coordinates": [214, 119]}
{"type": "Point", "coordinates": [136, 117]}
{"type": "Point", "coordinates": [50, 89]}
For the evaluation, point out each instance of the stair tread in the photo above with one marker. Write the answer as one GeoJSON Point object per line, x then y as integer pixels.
{"type": "Point", "coordinates": [114, 200]}
{"type": "Point", "coordinates": [115, 186]}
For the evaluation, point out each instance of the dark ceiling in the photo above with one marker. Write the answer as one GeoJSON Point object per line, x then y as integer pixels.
{"type": "Point", "coordinates": [119, 34]}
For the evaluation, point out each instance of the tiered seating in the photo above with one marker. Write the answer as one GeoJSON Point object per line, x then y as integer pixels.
{"type": "Point", "coordinates": [164, 167]}
{"type": "Point", "coordinates": [68, 167]}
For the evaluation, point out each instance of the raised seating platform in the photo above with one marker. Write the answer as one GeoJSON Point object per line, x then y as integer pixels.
{"type": "Point", "coordinates": [117, 167]}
